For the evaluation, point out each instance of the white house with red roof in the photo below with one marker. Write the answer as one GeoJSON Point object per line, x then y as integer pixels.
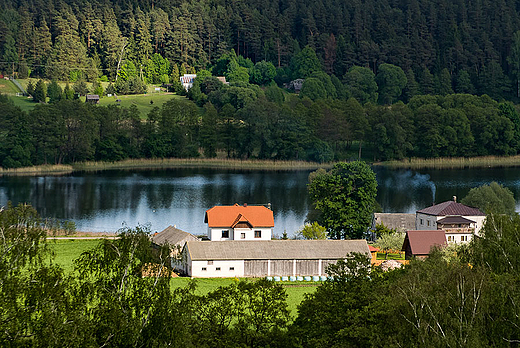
{"type": "Point", "coordinates": [239, 222]}
{"type": "Point", "coordinates": [459, 222]}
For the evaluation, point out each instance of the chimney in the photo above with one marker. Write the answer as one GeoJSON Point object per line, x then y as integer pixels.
{"type": "Point", "coordinates": [245, 204]}
{"type": "Point", "coordinates": [455, 199]}
{"type": "Point", "coordinates": [269, 206]}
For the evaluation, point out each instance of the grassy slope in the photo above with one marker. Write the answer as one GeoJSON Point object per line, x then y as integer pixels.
{"type": "Point", "coordinates": [142, 101]}
{"type": "Point", "coordinates": [68, 250]}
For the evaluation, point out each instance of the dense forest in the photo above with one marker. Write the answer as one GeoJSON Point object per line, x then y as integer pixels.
{"type": "Point", "coordinates": [241, 122]}
{"type": "Point", "coordinates": [120, 295]}
{"type": "Point", "coordinates": [462, 46]}
{"type": "Point", "coordinates": [380, 79]}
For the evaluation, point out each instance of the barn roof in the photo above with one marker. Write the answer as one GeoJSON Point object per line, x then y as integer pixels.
{"type": "Point", "coordinates": [172, 236]}
{"type": "Point", "coordinates": [230, 215]}
{"type": "Point", "coordinates": [275, 249]}
{"type": "Point", "coordinates": [421, 242]}
{"type": "Point", "coordinates": [451, 208]}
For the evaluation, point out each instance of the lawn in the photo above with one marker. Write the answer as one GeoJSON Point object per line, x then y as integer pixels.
{"type": "Point", "coordinates": [7, 87]}
{"type": "Point", "coordinates": [142, 101]}
{"type": "Point", "coordinates": [391, 256]}
{"type": "Point", "coordinates": [67, 250]}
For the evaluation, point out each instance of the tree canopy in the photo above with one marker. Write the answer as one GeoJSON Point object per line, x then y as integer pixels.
{"type": "Point", "coordinates": [493, 198]}
{"type": "Point", "coordinates": [344, 198]}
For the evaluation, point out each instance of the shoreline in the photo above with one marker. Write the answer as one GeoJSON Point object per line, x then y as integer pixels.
{"type": "Point", "coordinates": [252, 164]}
{"type": "Point", "coordinates": [453, 162]}
{"type": "Point", "coordinates": [164, 163]}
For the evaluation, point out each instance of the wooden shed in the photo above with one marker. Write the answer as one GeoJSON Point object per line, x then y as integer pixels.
{"type": "Point", "coordinates": [92, 98]}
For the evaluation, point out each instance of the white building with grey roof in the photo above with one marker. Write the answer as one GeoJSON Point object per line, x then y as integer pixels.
{"type": "Point", "coordinates": [213, 259]}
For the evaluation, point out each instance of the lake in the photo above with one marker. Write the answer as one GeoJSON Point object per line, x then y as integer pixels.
{"type": "Point", "coordinates": [108, 200]}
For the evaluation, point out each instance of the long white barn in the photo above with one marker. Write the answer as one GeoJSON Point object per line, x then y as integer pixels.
{"type": "Point", "coordinates": [213, 259]}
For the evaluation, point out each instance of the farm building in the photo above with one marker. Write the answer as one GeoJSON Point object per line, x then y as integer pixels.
{"type": "Point", "coordinates": [394, 221]}
{"type": "Point", "coordinates": [429, 218]}
{"type": "Point", "coordinates": [420, 243]}
{"type": "Point", "coordinates": [266, 258]}
{"type": "Point", "coordinates": [239, 222]}
{"type": "Point", "coordinates": [173, 236]}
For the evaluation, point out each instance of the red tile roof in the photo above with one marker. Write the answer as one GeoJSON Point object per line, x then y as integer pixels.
{"type": "Point", "coordinates": [451, 208]}
{"type": "Point", "coordinates": [231, 215]}
{"type": "Point", "coordinates": [421, 242]}
{"type": "Point", "coordinates": [372, 249]}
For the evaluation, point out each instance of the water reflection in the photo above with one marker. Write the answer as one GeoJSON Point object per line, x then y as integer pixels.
{"type": "Point", "coordinates": [106, 200]}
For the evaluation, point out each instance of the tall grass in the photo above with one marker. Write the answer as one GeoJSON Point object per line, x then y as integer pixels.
{"type": "Point", "coordinates": [38, 170]}
{"type": "Point", "coordinates": [198, 163]}
{"type": "Point", "coordinates": [163, 163]}
{"type": "Point", "coordinates": [453, 162]}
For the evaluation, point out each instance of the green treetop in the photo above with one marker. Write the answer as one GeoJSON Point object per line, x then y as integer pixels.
{"type": "Point", "coordinates": [344, 198]}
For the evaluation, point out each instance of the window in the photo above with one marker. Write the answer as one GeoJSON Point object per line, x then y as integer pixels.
{"type": "Point", "coordinates": [243, 235]}
{"type": "Point", "coordinates": [258, 234]}
{"type": "Point", "coordinates": [464, 238]}
{"type": "Point", "coordinates": [450, 238]}
{"type": "Point", "coordinates": [217, 269]}
{"type": "Point", "coordinates": [210, 263]}
{"type": "Point", "coordinates": [204, 268]}
{"type": "Point", "coordinates": [422, 222]}
{"type": "Point", "coordinates": [225, 233]}
{"type": "Point", "coordinates": [231, 268]}
{"type": "Point", "coordinates": [428, 222]}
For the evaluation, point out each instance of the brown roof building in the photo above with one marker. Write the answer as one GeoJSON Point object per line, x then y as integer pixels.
{"type": "Point", "coordinates": [420, 243]}
{"type": "Point", "coordinates": [451, 208]}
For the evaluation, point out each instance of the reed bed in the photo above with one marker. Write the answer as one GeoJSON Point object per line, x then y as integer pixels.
{"type": "Point", "coordinates": [38, 170]}
{"type": "Point", "coordinates": [165, 163]}
{"type": "Point", "coordinates": [454, 163]}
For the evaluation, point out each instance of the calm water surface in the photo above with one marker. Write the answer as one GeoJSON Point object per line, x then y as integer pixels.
{"type": "Point", "coordinates": [106, 201]}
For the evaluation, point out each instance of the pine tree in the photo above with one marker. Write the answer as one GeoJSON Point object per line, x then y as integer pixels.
{"type": "Point", "coordinates": [40, 92]}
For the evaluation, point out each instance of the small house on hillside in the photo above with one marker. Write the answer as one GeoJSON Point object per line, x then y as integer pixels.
{"type": "Point", "coordinates": [428, 218]}
{"type": "Point", "coordinates": [236, 222]}
{"type": "Point", "coordinates": [266, 258]}
{"type": "Point", "coordinates": [92, 98]}
{"type": "Point", "coordinates": [187, 80]}
{"type": "Point", "coordinates": [419, 244]}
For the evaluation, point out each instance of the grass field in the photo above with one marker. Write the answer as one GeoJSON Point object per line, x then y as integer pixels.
{"type": "Point", "coordinates": [142, 101]}
{"type": "Point", "coordinates": [67, 250]}
{"type": "Point", "coordinates": [7, 87]}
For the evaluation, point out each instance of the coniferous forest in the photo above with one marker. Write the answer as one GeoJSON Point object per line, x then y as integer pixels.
{"type": "Point", "coordinates": [403, 79]}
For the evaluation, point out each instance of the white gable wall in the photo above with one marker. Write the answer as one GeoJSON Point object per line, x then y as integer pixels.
{"type": "Point", "coordinates": [217, 269]}
{"type": "Point", "coordinates": [215, 234]}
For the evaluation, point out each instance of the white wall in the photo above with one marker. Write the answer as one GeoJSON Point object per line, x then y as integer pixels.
{"type": "Point", "coordinates": [432, 221]}
{"type": "Point", "coordinates": [457, 238]}
{"type": "Point", "coordinates": [210, 269]}
{"type": "Point", "coordinates": [215, 234]}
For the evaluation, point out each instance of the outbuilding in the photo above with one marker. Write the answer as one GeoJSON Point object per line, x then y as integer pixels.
{"type": "Point", "coordinates": [210, 259]}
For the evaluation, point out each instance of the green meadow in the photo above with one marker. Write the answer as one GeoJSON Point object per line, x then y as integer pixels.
{"type": "Point", "coordinates": [67, 250]}
{"type": "Point", "coordinates": [144, 102]}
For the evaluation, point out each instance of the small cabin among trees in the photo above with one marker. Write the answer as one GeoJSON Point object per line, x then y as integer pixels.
{"type": "Point", "coordinates": [92, 98]}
